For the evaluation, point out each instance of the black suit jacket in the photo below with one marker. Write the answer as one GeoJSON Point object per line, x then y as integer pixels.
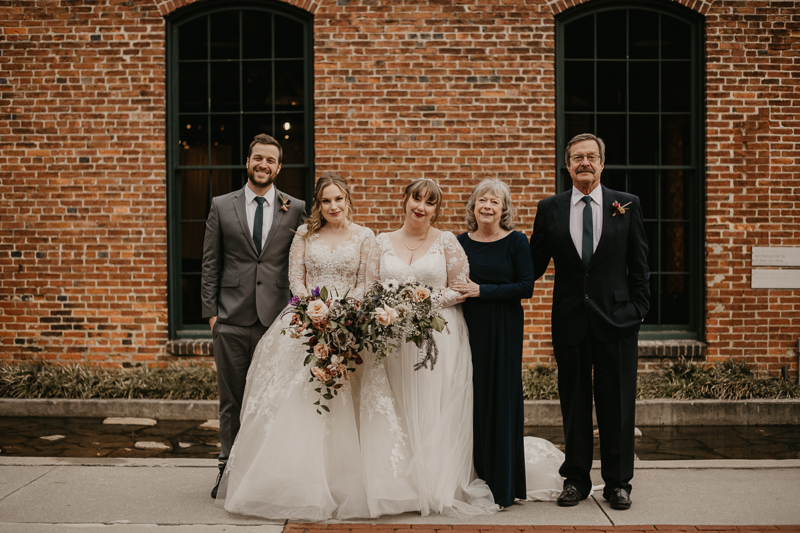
{"type": "Point", "coordinates": [612, 297]}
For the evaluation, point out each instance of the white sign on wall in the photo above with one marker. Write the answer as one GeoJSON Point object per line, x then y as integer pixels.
{"type": "Point", "coordinates": [775, 256]}
{"type": "Point", "coordinates": [763, 278]}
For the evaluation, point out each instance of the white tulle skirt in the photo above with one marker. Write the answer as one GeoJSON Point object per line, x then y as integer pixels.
{"type": "Point", "coordinates": [437, 407]}
{"type": "Point", "coordinates": [290, 462]}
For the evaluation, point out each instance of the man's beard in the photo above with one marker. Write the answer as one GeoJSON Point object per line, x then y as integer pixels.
{"type": "Point", "coordinates": [251, 178]}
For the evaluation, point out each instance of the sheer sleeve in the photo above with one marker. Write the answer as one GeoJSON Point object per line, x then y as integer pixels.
{"type": "Point", "coordinates": [297, 263]}
{"type": "Point", "coordinates": [367, 245]}
{"type": "Point", "coordinates": [457, 268]}
{"type": "Point", "coordinates": [374, 262]}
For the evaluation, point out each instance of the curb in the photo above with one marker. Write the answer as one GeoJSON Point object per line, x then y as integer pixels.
{"type": "Point", "coordinates": [537, 413]}
{"type": "Point", "coordinates": [157, 409]}
{"type": "Point", "coordinates": [687, 413]}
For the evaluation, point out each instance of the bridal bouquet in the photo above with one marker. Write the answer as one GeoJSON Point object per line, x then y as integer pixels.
{"type": "Point", "coordinates": [406, 311]}
{"type": "Point", "coordinates": [331, 325]}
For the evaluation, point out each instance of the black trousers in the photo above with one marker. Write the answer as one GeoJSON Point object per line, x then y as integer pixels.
{"type": "Point", "coordinates": [233, 351]}
{"type": "Point", "coordinates": [615, 366]}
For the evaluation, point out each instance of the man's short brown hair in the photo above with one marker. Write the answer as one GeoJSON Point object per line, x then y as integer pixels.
{"type": "Point", "coordinates": [263, 138]}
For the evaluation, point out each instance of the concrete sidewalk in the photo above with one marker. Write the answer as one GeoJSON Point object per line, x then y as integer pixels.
{"type": "Point", "coordinates": [42, 495]}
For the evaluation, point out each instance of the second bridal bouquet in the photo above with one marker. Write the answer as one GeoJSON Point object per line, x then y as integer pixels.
{"type": "Point", "coordinates": [331, 325]}
{"type": "Point", "coordinates": [401, 312]}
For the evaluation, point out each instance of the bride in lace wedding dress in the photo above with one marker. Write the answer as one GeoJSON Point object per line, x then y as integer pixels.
{"type": "Point", "coordinates": [437, 403]}
{"type": "Point", "coordinates": [288, 461]}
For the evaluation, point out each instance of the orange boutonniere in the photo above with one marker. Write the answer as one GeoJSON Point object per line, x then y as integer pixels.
{"type": "Point", "coordinates": [620, 209]}
{"type": "Point", "coordinates": [285, 203]}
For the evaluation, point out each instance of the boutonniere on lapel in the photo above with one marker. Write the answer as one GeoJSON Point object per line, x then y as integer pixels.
{"type": "Point", "coordinates": [620, 209]}
{"type": "Point", "coordinates": [285, 203]}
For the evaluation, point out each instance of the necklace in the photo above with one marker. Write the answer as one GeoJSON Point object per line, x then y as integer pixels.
{"type": "Point", "coordinates": [403, 236]}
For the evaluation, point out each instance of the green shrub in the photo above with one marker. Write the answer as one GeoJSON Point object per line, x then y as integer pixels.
{"type": "Point", "coordinates": [682, 380]}
{"type": "Point", "coordinates": [82, 382]}
{"type": "Point", "coordinates": [728, 380]}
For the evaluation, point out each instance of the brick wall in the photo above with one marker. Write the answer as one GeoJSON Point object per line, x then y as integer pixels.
{"type": "Point", "coordinates": [82, 200]}
{"type": "Point", "coordinates": [452, 90]}
{"type": "Point", "coordinates": [753, 178]}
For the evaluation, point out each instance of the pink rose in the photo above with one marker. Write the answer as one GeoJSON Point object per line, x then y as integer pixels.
{"type": "Point", "coordinates": [421, 293]}
{"type": "Point", "coordinates": [385, 315]}
{"type": "Point", "coordinates": [321, 351]}
{"type": "Point", "coordinates": [317, 310]}
{"type": "Point", "coordinates": [319, 374]}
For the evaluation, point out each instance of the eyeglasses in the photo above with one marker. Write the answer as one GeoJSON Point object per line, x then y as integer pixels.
{"type": "Point", "coordinates": [577, 158]}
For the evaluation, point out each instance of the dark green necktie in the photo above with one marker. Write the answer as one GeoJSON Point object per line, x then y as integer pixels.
{"type": "Point", "coordinates": [258, 224]}
{"type": "Point", "coordinates": [588, 232]}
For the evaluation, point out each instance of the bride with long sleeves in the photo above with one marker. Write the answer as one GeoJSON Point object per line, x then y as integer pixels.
{"type": "Point", "coordinates": [436, 403]}
{"type": "Point", "coordinates": [288, 461]}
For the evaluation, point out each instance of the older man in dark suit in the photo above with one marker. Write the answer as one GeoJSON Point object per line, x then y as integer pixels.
{"type": "Point", "coordinates": [245, 281]}
{"type": "Point", "coordinates": [596, 239]}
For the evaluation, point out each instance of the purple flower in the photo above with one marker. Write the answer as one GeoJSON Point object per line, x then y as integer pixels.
{"type": "Point", "coordinates": [315, 292]}
{"type": "Point", "coordinates": [294, 301]}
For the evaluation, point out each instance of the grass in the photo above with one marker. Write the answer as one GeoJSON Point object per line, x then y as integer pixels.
{"type": "Point", "coordinates": [83, 382]}
{"type": "Point", "coordinates": [682, 380]}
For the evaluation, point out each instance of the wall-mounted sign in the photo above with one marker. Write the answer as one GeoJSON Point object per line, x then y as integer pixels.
{"type": "Point", "coordinates": [775, 256]}
{"type": "Point", "coordinates": [763, 278]}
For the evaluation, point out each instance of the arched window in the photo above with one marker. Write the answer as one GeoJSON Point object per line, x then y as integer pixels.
{"type": "Point", "coordinates": [631, 72]}
{"type": "Point", "coordinates": [235, 69]}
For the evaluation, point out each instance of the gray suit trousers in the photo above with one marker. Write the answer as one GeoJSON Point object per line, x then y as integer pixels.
{"type": "Point", "coordinates": [233, 351]}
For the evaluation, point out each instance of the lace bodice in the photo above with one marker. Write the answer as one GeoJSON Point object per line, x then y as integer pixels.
{"type": "Point", "coordinates": [442, 265]}
{"type": "Point", "coordinates": [312, 263]}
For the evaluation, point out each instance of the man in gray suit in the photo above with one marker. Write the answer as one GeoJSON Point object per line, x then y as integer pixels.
{"type": "Point", "coordinates": [245, 281]}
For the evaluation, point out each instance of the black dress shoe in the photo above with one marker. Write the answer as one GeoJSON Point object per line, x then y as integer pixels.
{"type": "Point", "coordinates": [216, 485]}
{"type": "Point", "coordinates": [569, 496]}
{"type": "Point", "coordinates": [620, 499]}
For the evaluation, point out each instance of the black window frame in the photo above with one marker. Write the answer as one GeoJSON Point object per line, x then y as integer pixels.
{"type": "Point", "coordinates": [177, 329]}
{"type": "Point", "coordinates": [695, 262]}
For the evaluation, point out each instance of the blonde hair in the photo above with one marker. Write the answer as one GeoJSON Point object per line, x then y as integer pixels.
{"type": "Point", "coordinates": [315, 220]}
{"type": "Point", "coordinates": [495, 187]}
{"type": "Point", "coordinates": [423, 188]}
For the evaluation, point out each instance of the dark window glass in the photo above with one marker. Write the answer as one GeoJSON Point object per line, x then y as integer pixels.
{"type": "Point", "coordinates": [641, 103]}
{"type": "Point", "coordinates": [644, 86]}
{"type": "Point", "coordinates": [193, 40]}
{"type": "Point", "coordinates": [257, 35]}
{"type": "Point", "coordinates": [225, 35]}
{"type": "Point", "coordinates": [579, 85]}
{"type": "Point", "coordinates": [224, 87]}
{"type": "Point", "coordinates": [289, 92]}
{"type": "Point", "coordinates": [643, 139]}
{"type": "Point", "coordinates": [677, 38]}
{"type": "Point", "coordinates": [676, 135]}
{"type": "Point", "coordinates": [644, 38]}
{"type": "Point", "coordinates": [676, 85]}
{"type": "Point", "coordinates": [236, 72]}
{"type": "Point", "coordinates": [256, 76]}
{"type": "Point", "coordinates": [612, 34]}
{"type": "Point", "coordinates": [225, 146]}
{"type": "Point", "coordinates": [613, 129]}
{"type": "Point", "coordinates": [644, 184]}
{"type": "Point", "coordinates": [193, 87]}
{"type": "Point", "coordinates": [612, 81]}
{"type": "Point", "coordinates": [289, 39]}
{"type": "Point", "coordinates": [193, 140]}
{"type": "Point", "coordinates": [579, 38]}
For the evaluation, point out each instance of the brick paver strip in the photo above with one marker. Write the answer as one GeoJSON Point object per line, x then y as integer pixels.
{"type": "Point", "coordinates": [472, 528]}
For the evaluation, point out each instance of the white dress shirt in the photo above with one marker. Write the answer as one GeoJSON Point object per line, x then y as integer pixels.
{"type": "Point", "coordinates": [269, 207]}
{"type": "Point", "coordinates": [576, 217]}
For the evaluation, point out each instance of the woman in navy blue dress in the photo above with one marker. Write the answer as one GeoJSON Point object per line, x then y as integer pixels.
{"type": "Point", "coordinates": [500, 276]}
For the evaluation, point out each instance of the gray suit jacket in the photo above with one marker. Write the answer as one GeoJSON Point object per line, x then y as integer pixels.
{"type": "Point", "coordinates": [239, 287]}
